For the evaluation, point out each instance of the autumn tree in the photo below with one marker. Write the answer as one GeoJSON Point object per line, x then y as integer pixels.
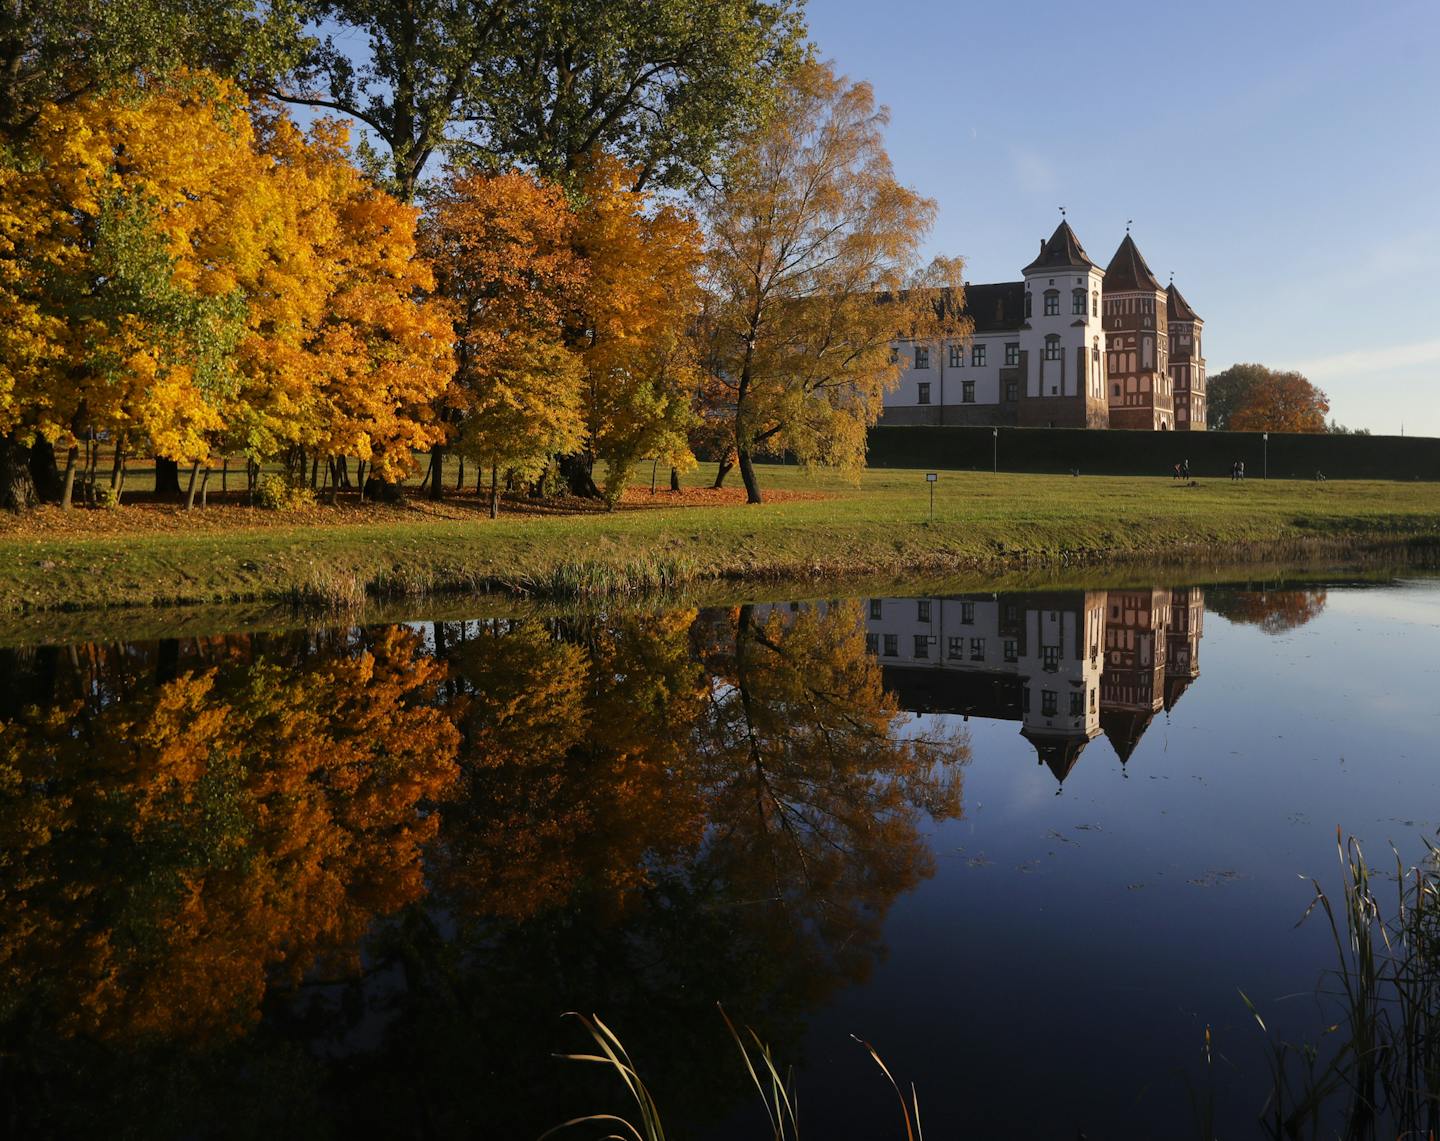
{"type": "Point", "coordinates": [1273, 611]}
{"type": "Point", "coordinates": [813, 272]}
{"type": "Point", "coordinates": [175, 279]}
{"type": "Point", "coordinates": [631, 328]}
{"type": "Point", "coordinates": [503, 251]}
{"type": "Point", "coordinates": [1253, 398]}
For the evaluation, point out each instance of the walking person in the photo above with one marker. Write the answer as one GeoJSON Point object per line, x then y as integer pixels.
{"type": "Point", "coordinates": [1241, 469]}
{"type": "Point", "coordinates": [1185, 469]}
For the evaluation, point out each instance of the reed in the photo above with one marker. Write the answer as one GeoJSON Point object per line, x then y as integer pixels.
{"type": "Point", "coordinates": [776, 1088]}
{"type": "Point", "coordinates": [1380, 1073]}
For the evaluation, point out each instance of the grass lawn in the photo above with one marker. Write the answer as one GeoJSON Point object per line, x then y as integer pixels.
{"type": "Point", "coordinates": [151, 552]}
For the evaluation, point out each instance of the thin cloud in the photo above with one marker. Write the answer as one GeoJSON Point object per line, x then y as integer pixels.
{"type": "Point", "coordinates": [1362, 361]}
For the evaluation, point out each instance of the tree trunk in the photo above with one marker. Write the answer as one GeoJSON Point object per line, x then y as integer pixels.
{"type": "Point", "coordinates": [360, 477]}
{"type": "Point", "coordinates": [674, 480]}
{"type": "Point", "coordinates": [494, 492]}
{"type": "Point", "coordinates": [67, 491]}
{"type": "Point", "coordinates": [204, 485]}
{"type": "Point", "coordinates": [460, 475]}
{"type": "Point", "coordinates": [190, 487]}
{"type": "Point", "coordinates": [752, 485]}
{"type": "Point", "coordinates": [224, 474]}
{"type": "Point", "coordinates": [314, 471]}
{"type": "Point", "coordinates": [577, 473]}
{"type": "Point", "coordinates": [725, 468]}
{"type": "Point", "coordinates": [437, 472]}
{"type": "Point", "coordinates": [17, 486]}
{"type": "Point", "coordinates": [117, 470]}
{"type": "Point", "coordinates": [167, 476]}
{"type": "Point", "coordinates": [43, 470]}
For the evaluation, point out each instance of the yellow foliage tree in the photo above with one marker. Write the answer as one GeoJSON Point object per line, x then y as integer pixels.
{"type": "Point", "coordinates": [813, 271]}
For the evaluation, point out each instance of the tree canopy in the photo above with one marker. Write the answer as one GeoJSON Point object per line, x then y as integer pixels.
{"type": "Point", "coordinates": [813, 271]}
{"type": "Point", "coordinates": [1253, 398]}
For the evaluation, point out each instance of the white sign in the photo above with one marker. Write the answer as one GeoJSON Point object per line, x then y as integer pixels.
{"type": "Point", "coordinates": [931, 477]}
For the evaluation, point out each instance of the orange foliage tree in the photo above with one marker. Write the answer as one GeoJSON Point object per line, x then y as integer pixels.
{"type": "Point", "coordinates": [632, 327]}
{"type": "Point", "coordinates": [504, 257]}
{"type": "Point", "coordinates": [1253, 398]}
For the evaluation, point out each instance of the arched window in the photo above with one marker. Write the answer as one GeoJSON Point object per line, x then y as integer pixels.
{"type": "Point", "coordinates": [1094, 303]}
{"type": "Point", "coordinates": [1027, 304]}
{"type": "Point", "coordinates": [1095, 356]}
{"type": "Point", "coordinates": [1052, 347]}
{"type": "Point", "coordinates": [1077, 303]}
{"type": "Point", "coordinates": [1052, 303]}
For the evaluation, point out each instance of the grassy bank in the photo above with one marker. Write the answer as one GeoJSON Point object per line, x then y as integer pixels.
{"type": "Point", "coordinates": [153, 554]}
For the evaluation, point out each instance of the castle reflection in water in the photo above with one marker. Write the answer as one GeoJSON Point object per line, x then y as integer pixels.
{"type": "Point", "coordinates": [1067, 665]}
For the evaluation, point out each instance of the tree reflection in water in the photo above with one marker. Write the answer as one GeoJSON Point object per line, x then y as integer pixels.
{"type": "Point", "coordinates": [216, 897]}
{"type": "Point", "coordinates": [1274, 611]}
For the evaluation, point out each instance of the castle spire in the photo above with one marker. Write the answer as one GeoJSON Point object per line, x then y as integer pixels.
{"type": "Point", "coordinates": [1062, 251]}
{"type": "Point", "coordinates": [1127, 270]}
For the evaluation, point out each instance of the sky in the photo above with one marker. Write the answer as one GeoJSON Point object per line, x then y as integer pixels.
{"type": "Point", "coordinates": [1281, 159]}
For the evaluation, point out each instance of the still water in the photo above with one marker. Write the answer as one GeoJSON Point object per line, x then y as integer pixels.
{"type": "Point", "coordinates": [341, 882]}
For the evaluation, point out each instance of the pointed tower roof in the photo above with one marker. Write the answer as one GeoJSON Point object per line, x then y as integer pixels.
{"type": "Point", "coordinates": [1175, 685]}
{"type": "Point", "coordinates": [1062, 251]}
{"type": "Point", "coordinates": [1123, 729]}
{"type": "Point", "coordinates": [1057, 751]}
{"type": "Point", "coordinates": [1127, 270]}
{"type": "Point", "coordinates": [1177, 306]}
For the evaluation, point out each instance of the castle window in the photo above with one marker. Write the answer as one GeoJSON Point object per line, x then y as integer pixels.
{"type": "Point", "coordinates": [1012, 354]}
{"type": "Point", "coordinates": [957, 648]}
{"type": "Point", "coordinates": [977, 356]}
{"type": "Point", "coordinates": [1012, 390]}
{"type": "Point", "coordinates": [967, 392]}
{"type": "Point", "coordinates": [924, 392]}
{"type": "Point", "coordinates": [1052, 303]}
{"type": "Point", "coordinates": [1095, 303]}
{"type": "Point", "coordinates": [1077, 704]}
{"type": "Point", "coordinates": [1052, 347]}
{"type": "Point", "coordinates": [977, 649]}
{"type": "Point", "coordinates": [1117, 390]}
{"type": "Point", "coordinates": [922, 645]}
{"type": "Point", "coordinates": [1077, 302]}
{"type": "Point", "coordinates": [894, 355]}
{"type": "Point", "coordinates": [967, 614]}
{"type": "Point", "coordinates": [872, 643]}
{"type": "Point", "coordinates": [922, 357]}
{"type": "Point", "coordinates": [922, 610]}
{"type": "Point", "coordinates": [1012, 650]}
{"type": "Point", "coordinates": [874, 608]}
{"type": "Point", "coordinates": [1027, 304]}
{"type": "Point", "coordinates": [1048, 702]}
{"type": "Point", "coordinates": [957, 356]}
{"type": "Point", "coordinates": [892, 645]}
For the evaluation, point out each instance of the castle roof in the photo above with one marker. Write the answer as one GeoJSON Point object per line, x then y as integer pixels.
{"type": "Point", "coordinates": [1177, 306]}
{"type": "Point", "coordinates": [1127, 271]}
{"type": "Point", "coordinates": [1124, 728]}
{"type": "Point", "coordinates": [1057, 751]}
{"type": "Point", "coordinates": [1175, 685]}
{"type": "Point", "coordinates": [996, 308]}
{"type": "Point", "coordinates": [1062, 251]}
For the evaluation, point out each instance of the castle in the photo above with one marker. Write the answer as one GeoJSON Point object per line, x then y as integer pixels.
{"type": "Point", "coordinates": [1069, 346]}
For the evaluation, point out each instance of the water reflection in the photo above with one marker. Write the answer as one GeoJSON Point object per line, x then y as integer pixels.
{"type": "Point", "coordinates": [1067, 665]}
{"type": "Point", "coordinates": [344, 880]}
{"type": "Point", "coordinates": [349, 878]}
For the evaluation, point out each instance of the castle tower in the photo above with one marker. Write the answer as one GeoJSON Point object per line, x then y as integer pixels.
{"type": "Point", "coordinates": [1187, 364]}
{"type": "Point", "coordinates": [1060, 666]}
{"type": "Point", "coordinates": [1137, 344]}
{"type": "Point", "coordinates": [1182, 642]}
{"type": "Point", "coordinates": [1132, 686]}
{"type": "Point", "coordinates": [1062, 342]}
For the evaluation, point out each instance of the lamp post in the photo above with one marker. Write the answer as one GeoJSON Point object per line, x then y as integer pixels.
{"type": "Point", "coordinates": [995, 450]}
{"type": "Point", "coordinates": [1265, 455]}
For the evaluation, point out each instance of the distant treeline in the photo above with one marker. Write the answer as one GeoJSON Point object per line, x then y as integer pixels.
{"type": "Point", "coordinates": [1211, 454]}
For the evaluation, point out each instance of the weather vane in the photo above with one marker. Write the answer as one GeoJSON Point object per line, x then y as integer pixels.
{"type": "Point", "coordinates": [1128, 223]}
{"type": "Point", "coordinates": [1062, 211]}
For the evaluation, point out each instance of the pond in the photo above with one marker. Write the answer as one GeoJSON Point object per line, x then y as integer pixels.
{"type": "Point", "coordinates": [1032, 847]}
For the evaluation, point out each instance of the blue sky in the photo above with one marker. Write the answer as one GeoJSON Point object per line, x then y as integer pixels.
{"type": "Point", "coordinates": [1281, 158]}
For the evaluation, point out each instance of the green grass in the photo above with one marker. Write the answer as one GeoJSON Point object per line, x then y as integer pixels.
{"type": "Point", "coordinates": [983, 522]}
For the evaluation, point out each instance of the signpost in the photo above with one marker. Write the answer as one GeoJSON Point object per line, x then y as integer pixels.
{"type": "Point", "coordinates": [931, 478]}
{"type": "Point", "coordinates": [995, 450]}
{"type": "Point", "coordinates": [1265, 455]}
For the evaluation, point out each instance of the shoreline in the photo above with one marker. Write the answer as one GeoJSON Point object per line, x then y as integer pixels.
{"type": "Point", "coordinates": [988, 528]}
